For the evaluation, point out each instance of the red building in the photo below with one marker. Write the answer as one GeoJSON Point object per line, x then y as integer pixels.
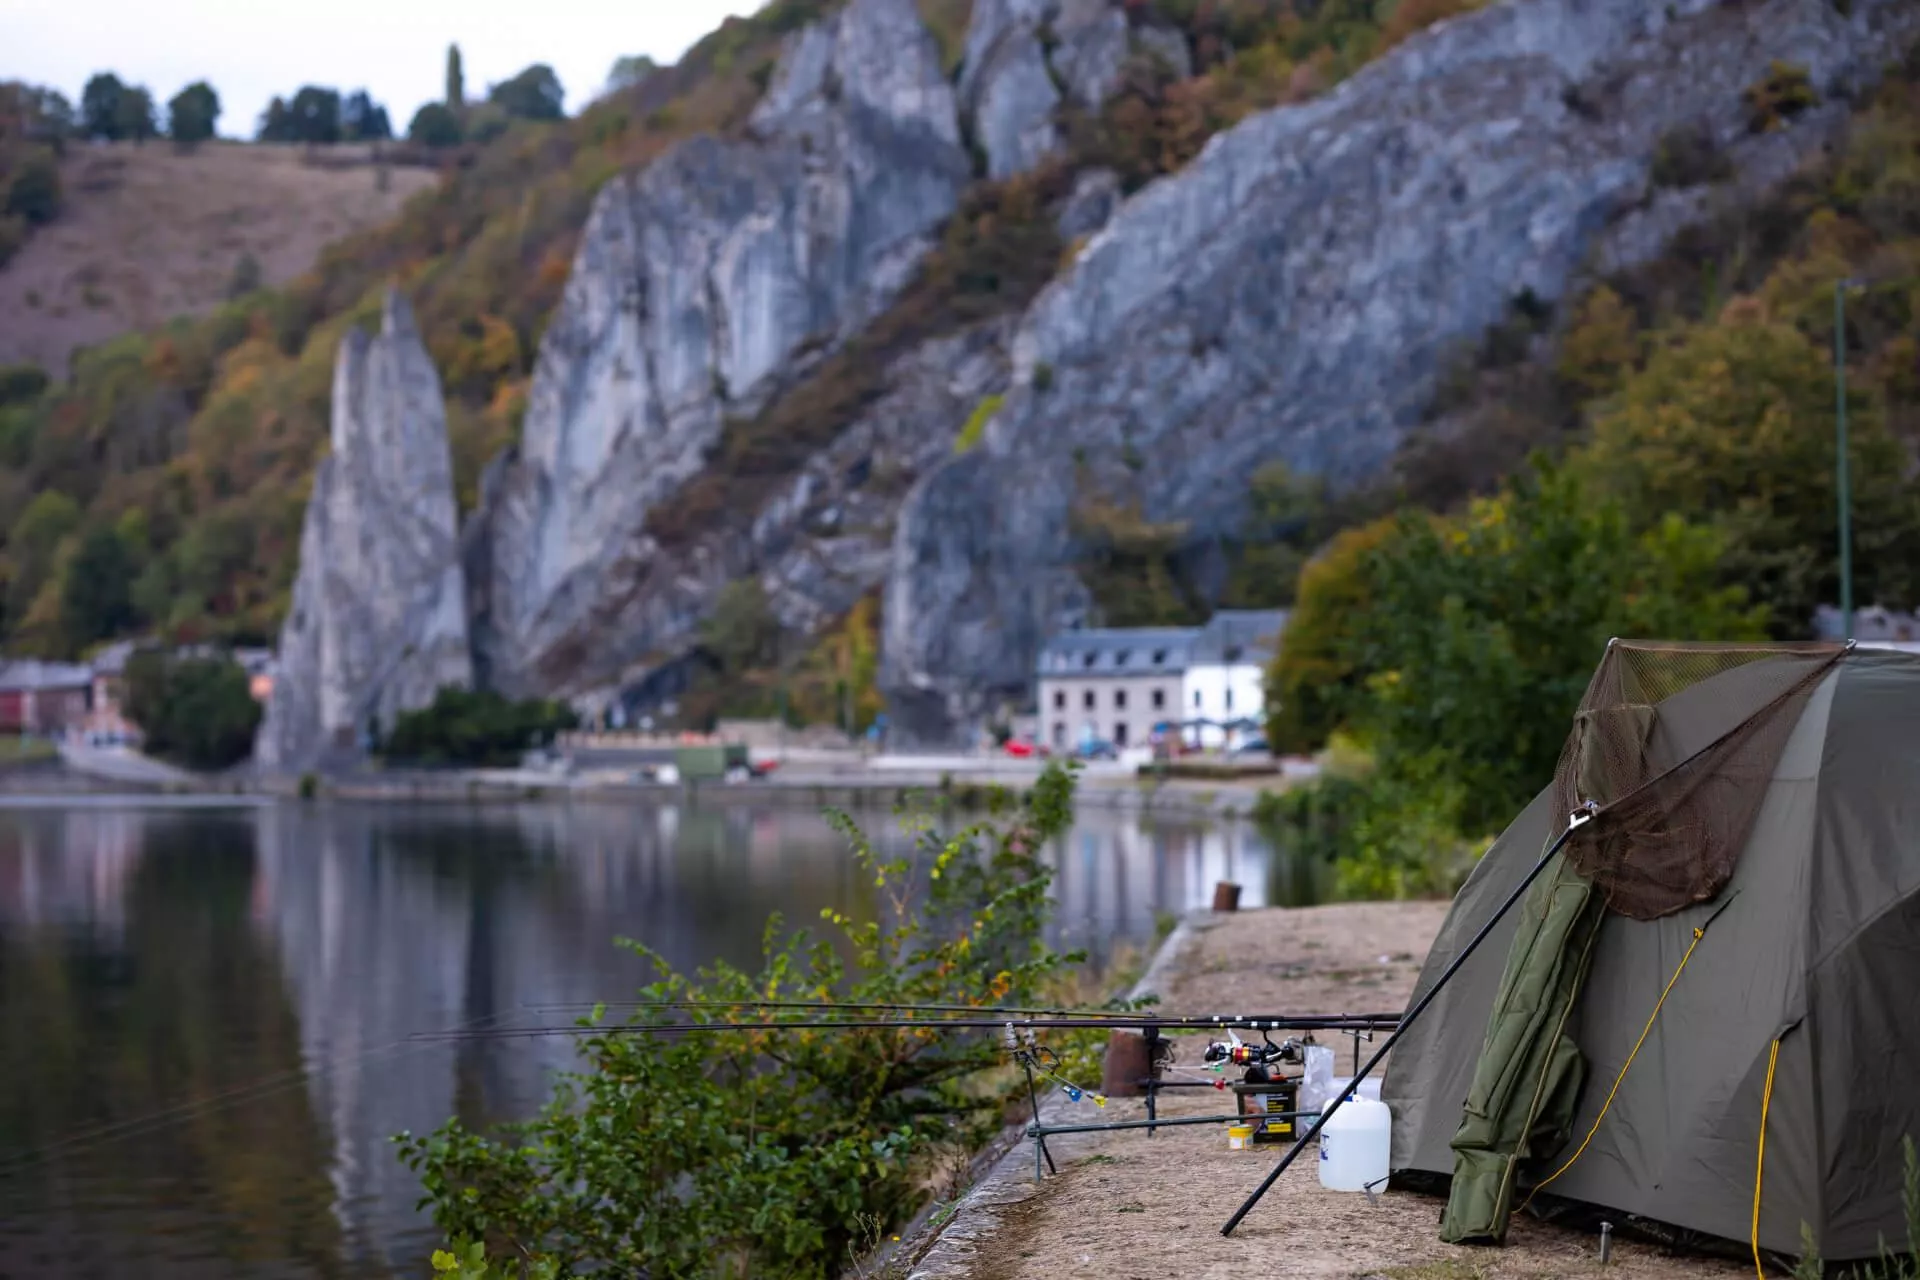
{"type": "Point", "coordinates": [46, 698]}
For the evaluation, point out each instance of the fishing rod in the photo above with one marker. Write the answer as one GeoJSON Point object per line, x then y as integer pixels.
{"type": "Point", "coordinates": [1278, 1022]}
{"type": "Point", "coordinates": [930, 1007]}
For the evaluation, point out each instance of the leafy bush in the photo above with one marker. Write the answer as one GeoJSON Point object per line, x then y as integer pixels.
{"type": "Point", "coordinates": [976, 423]}
{"type": "Point", "coordinates": [195, 711]}
{"type": "Point", "coordinates": [1783, 93]}
{"type": "Point", "coordinates": [474, 727]}
{"type": "Point", "coordinates": [1688, 157]}
{"type": "Point", "coordinates": [755, 1152]}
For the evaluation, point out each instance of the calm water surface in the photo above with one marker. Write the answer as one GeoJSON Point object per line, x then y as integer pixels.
{"type": "Point", "coordinates": [204, 1011]}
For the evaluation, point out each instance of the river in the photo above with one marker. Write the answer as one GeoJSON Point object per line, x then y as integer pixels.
{"type": "Point", "coordinates": [205, 1010]}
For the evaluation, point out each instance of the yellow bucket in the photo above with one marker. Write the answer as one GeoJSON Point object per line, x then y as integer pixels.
{"type": "Point", "coordinates": [1239, 1136]}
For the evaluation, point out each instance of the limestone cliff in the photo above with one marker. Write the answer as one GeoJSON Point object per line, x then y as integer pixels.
{"type": "Point", "coordinates": [1025, 59]}
{"type": "Point", "coordinates": [378, 620]}
{"type": "Point", "coordinates": [700, 284]}
{"type": "Point", "coordinates": [1295, 291]}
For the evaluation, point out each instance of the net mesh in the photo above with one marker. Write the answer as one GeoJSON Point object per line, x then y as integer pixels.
{"type": "Point", "coordinates": [1677, 813]}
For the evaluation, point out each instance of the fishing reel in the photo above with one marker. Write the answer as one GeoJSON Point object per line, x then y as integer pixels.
{"type": "Point", "coordinates": [1239, 1053]}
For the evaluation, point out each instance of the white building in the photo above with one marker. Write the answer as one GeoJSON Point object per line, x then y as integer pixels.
{"type": "Point", "coordinates": [1123, 685]}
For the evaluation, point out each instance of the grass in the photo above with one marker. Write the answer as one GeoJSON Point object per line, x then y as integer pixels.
{"type": "Point", "coordinates": [24, 750]}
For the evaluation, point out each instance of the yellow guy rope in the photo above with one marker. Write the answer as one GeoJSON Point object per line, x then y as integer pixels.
{"type": "Point", "coordinates": [1760, 1161]}
{"type": "Point", "coordinates": [1698, 934]}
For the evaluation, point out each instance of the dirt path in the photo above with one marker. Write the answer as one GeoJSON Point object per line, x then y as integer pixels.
{"type": "Point", "coordinates": [1130, 1207]}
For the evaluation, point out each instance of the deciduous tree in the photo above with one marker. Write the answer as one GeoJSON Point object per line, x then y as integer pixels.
{"type": "Point", "coordinates": [193, 112]}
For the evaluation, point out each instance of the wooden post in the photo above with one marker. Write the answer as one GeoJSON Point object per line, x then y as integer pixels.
{"type": "Point", "coordinates": [1125, 1065]}
{"type": "Point", "coordinates": [1226, 896]}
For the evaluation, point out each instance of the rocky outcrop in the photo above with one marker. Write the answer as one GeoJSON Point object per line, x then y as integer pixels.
{"type": "Point", "coordinates": [1296, 291]}
{"type": "Point", "coordinates": [378, 621]}
{"type": "Point", "coordinates": [702, 285]}
{"type": "Point", "coordinates": [1025, 59]}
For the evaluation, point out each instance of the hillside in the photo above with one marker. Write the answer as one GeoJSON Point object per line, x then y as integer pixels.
{"type": "Point", "coordinates": [994, 316]}
{"type": "Point", "coordinates": [147, 233]}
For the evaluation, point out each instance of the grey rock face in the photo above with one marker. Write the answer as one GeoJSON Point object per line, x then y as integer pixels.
{"type": "Point", "coordinates": [1096, 194]}
{"type": "Point", "coordinates": [1024, 58]}
{"type": "Point", "coordinates": [1295, 292]}
{"type": "Point", "coordinates": [379, 611]}
{"type": "Point", "coordinates": [700, 284]}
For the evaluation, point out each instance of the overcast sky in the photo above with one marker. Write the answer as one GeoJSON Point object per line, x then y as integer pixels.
{"type": "Point", "coordinates": [250, 50]}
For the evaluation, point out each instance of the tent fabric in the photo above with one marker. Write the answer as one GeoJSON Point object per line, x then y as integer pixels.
{"type": "Point", "coordinates": [1815, 944]}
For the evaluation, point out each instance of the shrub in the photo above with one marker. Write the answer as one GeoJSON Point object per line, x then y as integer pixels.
{"type": "Point", "coordinates": [976, 423]}
{"type": "Point", "coordinates": [1689, 157]}
{"type": "Point", "coordinates": [1774, 99]}
{"type": "Point", "coordinates": [195, 711]}
{"type": "Point", "coordinates": [755, 1152]}
{"type": "Point", "coordinates": [474, 727]}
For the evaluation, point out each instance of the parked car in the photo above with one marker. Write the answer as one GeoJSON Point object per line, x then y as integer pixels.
{"type": "Point", "coordinates": [1098, 749]}
{"type": "Point", "coordinates": [1251, 747]}
{"type": "Point", "coordinates": [1025, 748]}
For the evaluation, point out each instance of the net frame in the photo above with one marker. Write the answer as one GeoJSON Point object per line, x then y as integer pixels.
{"type": "Point", "coordinates": [1671, 831]}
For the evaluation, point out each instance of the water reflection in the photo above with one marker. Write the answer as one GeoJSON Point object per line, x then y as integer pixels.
{"type": "Point", "coordinates": [275, 960]}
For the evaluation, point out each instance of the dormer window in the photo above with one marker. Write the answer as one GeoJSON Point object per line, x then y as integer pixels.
{"type": "Point", "coordinates": [1233, 653]}
{"type": "Point", "coordinates": [1120, 658]}
{"type": "Point", "coordinates": [1159, 657]}
{"type": "Point", "coordinates": [1091, 658]}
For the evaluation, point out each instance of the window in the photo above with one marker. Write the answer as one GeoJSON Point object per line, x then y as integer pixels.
{"type": "Point", "coordinates": [1119, 699]}
{"type": "Point", "coordinates": [1119, 733]}
{"type": "Point", "coordinates": [1087, 700]}
{"type": "Point", "coordinates": [1159, 699]}
{"type": "Point", "coordinates": [1060, 731]}
{"type": "Point", "coordinates": [1196, 697]}
{"type": "Point", "coordinates": [1229, 697]}
{"type": "Point", "coordinates": [1059, 699]}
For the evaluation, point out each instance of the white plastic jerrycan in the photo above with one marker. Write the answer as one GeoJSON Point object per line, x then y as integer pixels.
{"type": "Point", "coordinates": [1356, 1145]}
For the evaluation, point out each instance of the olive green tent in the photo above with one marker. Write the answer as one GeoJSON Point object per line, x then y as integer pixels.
{"type": "Point", "coordinates": [1729, 950]}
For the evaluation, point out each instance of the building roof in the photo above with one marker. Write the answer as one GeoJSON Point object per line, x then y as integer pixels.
{"type": "Point", "coordinates": [1235, 636]}
{"type": "Point", "coordinates": [1871, 623]}
{"type": "Point", "coordinates": [30, 673]}
{"type": "Point", "coordinates": [1118, 651]}
{"type": "Point", "coordinates": [112, 660]}
{"type": "Point", "coordinates": [1230, 637]}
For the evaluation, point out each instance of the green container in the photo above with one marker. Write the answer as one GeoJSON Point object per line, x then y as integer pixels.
{"type": "Point", "coordinates": [697, 763]}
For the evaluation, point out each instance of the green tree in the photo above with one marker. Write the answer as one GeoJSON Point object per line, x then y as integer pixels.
{"type": "Point", "coordinates": [134, 114]}
{"type": "Point", "coordinates": [435, 126]}
{"type": "Point", "coordinates": [96, 596]}
{"type": "Point", "coordinates": [363, 120]}
{"type": "Point", "coordinates": [196, 711]}
{"type": "Point", "coordinates": [534, 94]}
{"type": "Point", "coordinates": [629, 70]}
{"type": "Point", "coordinates": [1485, 629]}
{"type": "Point", "coordinates": [315, 113]}
{"type": "Point", "coordinates": [193, 112]}
{"type": "Point", "coordinates": [741, 633]}
{"type": "Point", "coordinates": [456, 96]}
{"type": "Point", "coordinates": [34, 192]}
{"type": "Point", "coordinates": [22, 383]}
{"type": "Point", "coordinates": [1313, 677]}
{"type": "Point", "coordinates": [276, 122]}
{"type": "Point", "coordinates": [100, 115]}
{"type": "Point", "coordinates": [31, 546]}
{"type": "Point", "coordinates": [474, 727]}
{"type": "Point", "coordinates": [1733, 424]}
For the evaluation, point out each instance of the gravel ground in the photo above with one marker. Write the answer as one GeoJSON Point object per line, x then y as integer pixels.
{"type": "Point", "coordinates": [1129, 1207]}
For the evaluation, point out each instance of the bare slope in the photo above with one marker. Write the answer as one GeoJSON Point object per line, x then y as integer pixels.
{"type": "Point", "coordinates": [147, 233]}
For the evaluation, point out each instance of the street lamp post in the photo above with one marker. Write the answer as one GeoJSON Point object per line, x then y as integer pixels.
{"type": "Point", "coordinates": [1840, 418]}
